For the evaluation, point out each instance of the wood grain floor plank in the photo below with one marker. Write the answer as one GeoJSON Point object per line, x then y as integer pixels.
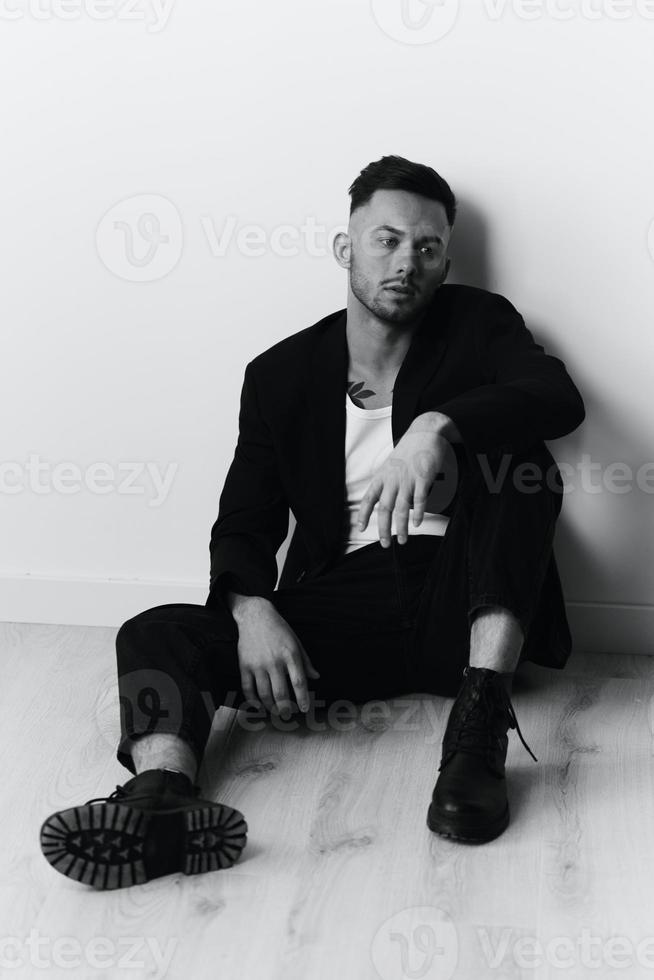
{"type": "Point", "coordinates": [341, 877]}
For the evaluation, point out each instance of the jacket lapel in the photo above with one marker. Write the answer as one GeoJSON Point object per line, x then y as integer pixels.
{"type": "Point", "coordinates": [325, 393]}
{"type": "Point", "coordinates": [418, 367]}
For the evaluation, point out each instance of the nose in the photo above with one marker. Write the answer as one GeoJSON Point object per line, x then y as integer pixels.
{"type": "Point", "coordinates": [407, 263]}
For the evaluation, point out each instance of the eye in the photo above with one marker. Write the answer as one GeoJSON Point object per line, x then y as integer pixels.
{"type": "Point", "coordinates": [384, 240]}
{"type": "Point", "coordinates": [427, 250]}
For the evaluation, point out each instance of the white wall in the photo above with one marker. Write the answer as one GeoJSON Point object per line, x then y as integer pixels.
{"type": "Point", "coordinates": [538, 115]}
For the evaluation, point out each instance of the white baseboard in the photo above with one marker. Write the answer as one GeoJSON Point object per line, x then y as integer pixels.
{"type": "Point", "coordinates": [596, 627]}
{"type": "Point", "coordinates": [611, 627]}
{"type": "Point", "coordinates": [63, 600]}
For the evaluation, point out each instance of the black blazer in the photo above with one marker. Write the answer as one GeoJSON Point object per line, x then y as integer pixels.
{"type": "Point", "coordinates": [472, 358]}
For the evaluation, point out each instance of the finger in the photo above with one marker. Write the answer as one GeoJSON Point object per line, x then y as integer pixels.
{"type": "Point", "coordinates": [384, 517]}
{"type": "Point", "coordinates": [402, 517]}
{"type": "Point", "coordinates": [370, 498]}
{"type": "Point", "coordinates": [298, 678]}
{"type": "Point", "coordinates": [264, 689]}
{"type": "Point", "coordinates": [364, 514]}
{"type": "Point", "coordinates": [247, 686]}
{"type": "Point", "coordinates": [280, 692]}
{"type": "Point", "coordinates": [308, 665]}
{"type": "Point", "coordinates": [419, 499]}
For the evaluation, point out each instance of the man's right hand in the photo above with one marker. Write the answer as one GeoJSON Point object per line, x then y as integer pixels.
{"type": "Point", "coordinates": [270, 654]}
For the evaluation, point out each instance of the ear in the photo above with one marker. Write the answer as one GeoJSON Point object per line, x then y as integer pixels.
{"type": "Point", "coordinates": [342, 249]}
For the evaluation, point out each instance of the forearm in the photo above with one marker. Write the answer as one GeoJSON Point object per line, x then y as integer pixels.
{"type": "Point", "coordinates": [511, 417]}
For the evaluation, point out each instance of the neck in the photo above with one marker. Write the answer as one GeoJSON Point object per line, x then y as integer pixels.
{"type": "Point", "coordinates": [375, 344]}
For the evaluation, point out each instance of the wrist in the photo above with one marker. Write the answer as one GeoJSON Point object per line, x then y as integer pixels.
{"type": "Point", "coordinates": [441, 425]}
{"type": "Point", "coordinates": [244, 605]}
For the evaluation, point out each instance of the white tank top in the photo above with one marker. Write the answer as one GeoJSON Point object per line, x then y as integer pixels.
{"type": "Point", "coordinates": [368, 441]}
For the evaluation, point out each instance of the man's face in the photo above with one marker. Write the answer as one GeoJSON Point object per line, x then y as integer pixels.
{"type": "Point", "coordinates": [398, 254]}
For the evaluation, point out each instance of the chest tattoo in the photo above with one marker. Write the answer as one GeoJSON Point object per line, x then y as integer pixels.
{"type": "Point", "coordinates": [358, 391]}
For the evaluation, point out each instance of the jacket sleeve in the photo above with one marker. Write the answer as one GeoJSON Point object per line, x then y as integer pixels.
{"type": "Point", "coordinates": [253, 513]}
{"type": "Point", "coordinates": [528, 395]}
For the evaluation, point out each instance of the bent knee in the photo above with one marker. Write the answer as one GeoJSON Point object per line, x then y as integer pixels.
{"type": "Point", "coordinates": [170, 612]}
{"type": "Point", "coordinates": [185, 615]}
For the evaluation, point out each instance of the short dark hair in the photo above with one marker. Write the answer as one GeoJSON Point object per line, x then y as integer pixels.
{"type": "Point", "coordinates": [397, 174]}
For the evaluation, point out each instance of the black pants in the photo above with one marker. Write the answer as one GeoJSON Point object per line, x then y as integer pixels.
{"type": "Point", "coordinates": [178, 662]}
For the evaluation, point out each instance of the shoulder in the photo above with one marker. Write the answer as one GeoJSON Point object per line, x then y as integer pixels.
{"type": "Point", "coordinates": [293, 350]}
{"type": "Point", "coordinates": [477, 303]}
{"type": "Point", "coordinates": [475, 318]}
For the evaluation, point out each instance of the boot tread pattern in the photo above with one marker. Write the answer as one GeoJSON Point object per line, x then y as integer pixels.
{"type": "Point", "coordinates": [215, 837]}
{"type": "Point", "coordinates": [103, 845]}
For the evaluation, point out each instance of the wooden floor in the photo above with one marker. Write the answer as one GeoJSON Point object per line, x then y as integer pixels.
{"type": "Point", "coordinates": [341, 877]}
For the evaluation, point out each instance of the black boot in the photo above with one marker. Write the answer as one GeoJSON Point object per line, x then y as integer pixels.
{"type": "Point", "coordinates": [154, 825]}
{"type": "Point", "coordinates": [469, 802]}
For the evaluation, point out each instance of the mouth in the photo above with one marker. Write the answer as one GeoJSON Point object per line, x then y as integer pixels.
{"type": "Point", "coordinates": [401, 290]}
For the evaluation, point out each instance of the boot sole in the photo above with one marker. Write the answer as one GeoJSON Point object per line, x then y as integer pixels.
{"type": "Point", "coordinates": [115, 845]}
{"type": "Point", "coordinates": [453, 828]}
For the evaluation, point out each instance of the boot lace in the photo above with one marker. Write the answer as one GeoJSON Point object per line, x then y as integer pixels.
{"type": "Point", "coordinates": [117, 794]}
{"type": "Point", "coordinates": [479, 715]}
{"type": "Point", "coordinates": [120, 792]}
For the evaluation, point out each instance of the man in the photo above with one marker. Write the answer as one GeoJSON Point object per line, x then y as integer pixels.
{"type": "Point", "coordinates": [406, 434]}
